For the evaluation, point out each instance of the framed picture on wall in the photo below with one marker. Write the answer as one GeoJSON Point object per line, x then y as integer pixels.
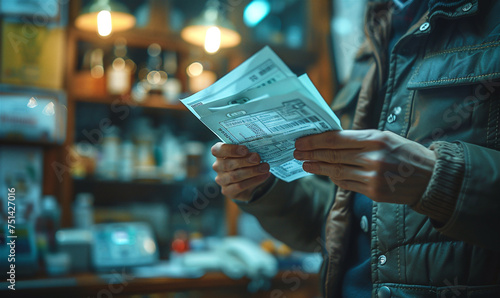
{"type": "Point", "coordinates": [40, 10]}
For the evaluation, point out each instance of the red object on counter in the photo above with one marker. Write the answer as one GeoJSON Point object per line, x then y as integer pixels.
{"type": "Point", "coordinates": [180, 244]}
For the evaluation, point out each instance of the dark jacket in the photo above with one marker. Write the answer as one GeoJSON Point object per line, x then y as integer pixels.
{"type": "Point", "coordinates": [442, 88]}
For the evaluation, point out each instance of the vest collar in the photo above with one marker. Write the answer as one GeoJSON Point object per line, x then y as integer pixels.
{"type": "Point", "coordinates": [452, 9]}
{"type": "Point", "coordinates": [446, 9]}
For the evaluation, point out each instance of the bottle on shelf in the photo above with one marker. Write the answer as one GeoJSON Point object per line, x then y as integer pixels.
{"type": "Point", "coordinates": [126, 162]}
{"type": "Point", "coordinates": [107, 165]}
{"type": "Point", "coordinates": [97, 63]}
{"type": "Point", "coordinates": [172, 87]}
{"type": "Point", "coordinates": [156, 77]}
{"type": "Point", "coordinates": [194, 154]}
{"type": "Point", "coordinates": [83, 211]}
{"type": "Point", "coordinates": [145, 164]}
{"type": "Point", "coordinates": [47, 224]}
{"type": "Point", "coordinates": [90, 80]}
{"type": "Point", "coordinates": [119, 74]}
{"type": "Point", "coordinates": [173, 165]}
{"type": "Point", "coordinates": [180, 243]}
{"type": "Point", "coordinates": [150, 76]}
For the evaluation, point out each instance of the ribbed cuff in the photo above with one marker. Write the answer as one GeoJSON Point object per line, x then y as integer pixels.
{"type": "Point", "coordinates": [264, 188]}
{"type": "Point", "coordinates": [439, 199]}
{"type": "Point", "coordinates": [259, 192]}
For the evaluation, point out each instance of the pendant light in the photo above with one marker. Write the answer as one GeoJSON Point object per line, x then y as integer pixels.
{"type": "Point", "coordinates": [104, 17]}
{"type": "Point", "coordinates": [211, 30]}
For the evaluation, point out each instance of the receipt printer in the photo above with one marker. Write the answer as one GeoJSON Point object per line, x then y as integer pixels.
{"type": "Point", "coordinates": [119, 245]}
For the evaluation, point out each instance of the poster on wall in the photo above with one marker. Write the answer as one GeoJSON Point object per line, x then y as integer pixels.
{"type": "Point", "coordinates": [21, 171]}
{"type": "Point", "coordinates": [32, 44]}
{"type": "Point", "coordinates": [32, 114]}
{"type": "Point", "coordinates": [46, 8]}
{"type": "Point", "coordinates": [32, 56]}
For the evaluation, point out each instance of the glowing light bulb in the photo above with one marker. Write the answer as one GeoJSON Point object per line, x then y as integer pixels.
{"type": "Point", "coordinates": [104, 23]}
{"type": "Point", "coordinates": [212, 39]}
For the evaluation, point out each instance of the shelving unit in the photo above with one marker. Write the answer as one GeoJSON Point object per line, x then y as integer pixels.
{"type": "Point", "coordinates": [129, 190]}
{"type": "Point", "coordinates": [311, 58]}
{"type": "Point", "coordinates": [155, 32]}
{"type": "Point", "coordinates": [152, 101]}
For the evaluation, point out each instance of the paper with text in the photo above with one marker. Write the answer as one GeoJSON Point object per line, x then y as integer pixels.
{"type": "Point", "coordinates": [261, 104]}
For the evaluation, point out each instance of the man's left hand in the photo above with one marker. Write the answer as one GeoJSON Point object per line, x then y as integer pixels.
{"type": "Point", "coordinates": [381, 165]}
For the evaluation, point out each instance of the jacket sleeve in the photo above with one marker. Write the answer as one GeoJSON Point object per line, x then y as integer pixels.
{"type": "Point", "coordinates": [463, 196]}
{"type": "Point", "coordinates": [294, 212]}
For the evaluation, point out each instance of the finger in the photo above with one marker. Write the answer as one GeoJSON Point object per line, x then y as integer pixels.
{"type": "Point", "coordinates": [335, 171]}
{"type": "Point", "coordinates": [239, 175]}
{"type": "Point", "coordinates": [234, 189]}
{"type": "Point", "coordinates": [230, 164]}
{"type": "Point", "coordinates": [223, 150]}
{"type": "Point", "coordinates": [342, 156]}
{"type": "Point", "coordinates": [344, 139]}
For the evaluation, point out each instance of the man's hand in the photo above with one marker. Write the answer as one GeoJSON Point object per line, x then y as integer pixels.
{"type": "Point", "coordinates": [239, 172]}
{"type": "Point", "coordinates": [381, 165]}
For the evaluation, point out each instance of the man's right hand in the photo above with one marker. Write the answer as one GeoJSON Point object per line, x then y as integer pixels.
{"type": "Point", "coordinates": [239, 172]}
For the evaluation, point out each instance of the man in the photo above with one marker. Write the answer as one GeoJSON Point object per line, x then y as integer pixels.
{"type": "Point", "coordinates": [417, 209]}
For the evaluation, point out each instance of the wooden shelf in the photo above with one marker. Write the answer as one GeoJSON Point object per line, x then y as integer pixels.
{"type": "Point", "coordinates": [152, 101]}
{"type": "Point", "coordinates": [136, 37]}
{"type": "Point", "coordinates": [112, 191]}
{"type": "Point", "coordinates": [90, 285]}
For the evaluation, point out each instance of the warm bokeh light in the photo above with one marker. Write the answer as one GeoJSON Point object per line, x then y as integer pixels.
{"type": "Point", "coordinates": [156, 77]}
{"type": "Point", "coordinates": [194, 69]}
{"type": "Point", "coordinates": [118, 64]}
{"type": "Point", "coordinates": [202, 81]}
{"type": "Point", "coordinates": [97, 71]}
{"type": "Point", "coordinates": [212, 39]}
{"type": "Point", "coordinates": [104, 26]}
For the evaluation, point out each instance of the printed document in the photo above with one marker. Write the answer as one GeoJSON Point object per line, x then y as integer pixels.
{"type": "Point", "coordinates": [261, 104]}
